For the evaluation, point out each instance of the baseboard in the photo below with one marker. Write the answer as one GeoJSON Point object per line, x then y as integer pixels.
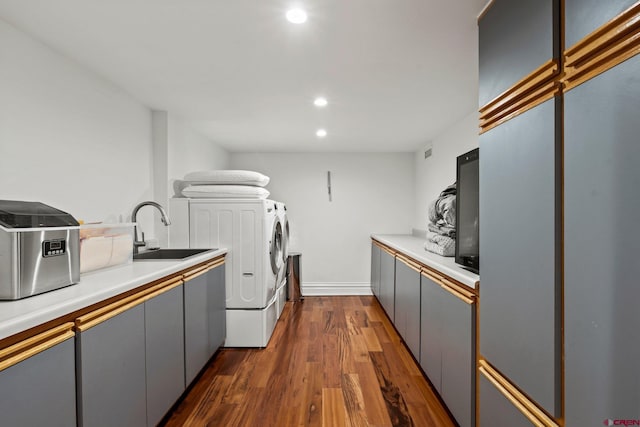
{"type": "Point", "coordinates": [336, 288]}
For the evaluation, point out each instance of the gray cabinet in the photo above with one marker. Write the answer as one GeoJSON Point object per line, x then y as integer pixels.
{"type": "Point", "coordinates": [40, 390]}
{"type": "Point", "coordinates": [602, 202]}
{"type": "Point", "coordinates": [407, 305]}
{"type": "Point", "coordinates": [582, 17]}
{"type": "Point", "coordinates": [431, 299]}
{"type": "Point", "coordinates": [111, 370]}
{"type": "Point", "coordinates": [164, 332]}
{"type": "Point", "coordinates": [204, 322]}
{"type": "Point", "coordinates": [448, 344]}
{"type": "Point", "coordinates": [520, 329]}
{"type": "Point", "coordinates": [515, 38]}
{"type": "Point", "coordinates": [497, 411]}
{"type": "Point", "coordinates": [458, 358]}
{"type": "Point", "coordinates": [375, 269]}
{"type": "Point", "coordinates": [387, 283]}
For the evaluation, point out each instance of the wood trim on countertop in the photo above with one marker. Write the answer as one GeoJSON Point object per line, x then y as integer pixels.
{"type": "Point", "coordinates": [529, 409]}
{"type": "Point", "coordinates": [27, 348]}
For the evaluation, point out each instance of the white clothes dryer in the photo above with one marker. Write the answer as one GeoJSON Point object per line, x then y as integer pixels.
{"type": "Point", "coordinates": [251, 231]}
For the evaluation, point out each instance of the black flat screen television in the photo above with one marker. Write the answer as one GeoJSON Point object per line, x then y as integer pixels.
{"type": "Point", "coordinates": [467, 211]}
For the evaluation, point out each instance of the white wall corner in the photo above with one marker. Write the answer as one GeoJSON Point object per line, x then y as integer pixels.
{"type": "Point", "coordinates": [336, 289]}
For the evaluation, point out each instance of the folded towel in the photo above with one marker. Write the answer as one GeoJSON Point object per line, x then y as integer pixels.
{"type": "Point", "coordinates": [441, 245]}
{"type": "Point", "coordinates": [443, 230]}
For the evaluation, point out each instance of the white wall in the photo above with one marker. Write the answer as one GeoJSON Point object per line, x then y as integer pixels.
{"type": "Point", "coordinates": [434, 174]}
{"type": "Point", "coordinates": [372, 193]}
{"type": "Point", "coordinates": [67, 137]}
{"type": "Point", "coordinates": [177, 150]}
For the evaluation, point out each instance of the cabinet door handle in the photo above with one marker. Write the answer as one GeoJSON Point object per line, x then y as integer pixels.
{"type": "Point", "coordinates": [23, 350]}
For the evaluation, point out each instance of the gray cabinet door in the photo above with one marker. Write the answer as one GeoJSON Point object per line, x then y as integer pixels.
{"type": "Point", "coordinates": [585, 16]}
{"type": "Point", "coordinates": [387, 283]}
{"type": "Point", "coordinates": [458, 358]}
{"type": "Point", "coordinates": [196, 326]}
{"type": "Point", "coordinates": [111, 372]}
{"type": "Point", "coordinates": [216, 308]}
{"type": "Point", "coordinates": [520, 330]}
{"type": "Point", "coordinates": [431, 299]}
{"type": "Point", "coordinates": [602, 205]}
{"type": "Point", "coordinates": [497, 411]}
{"type": "Point", "coordinates": [41, 390]}
{"type": "Point", "coordinates": [375, 270]}
{"type": "Point", "coordinates": [407, 306]}
{"type": "Point", "coordinates": [515, 38]}
{"type": "Point", "coordinates": [164, 332]}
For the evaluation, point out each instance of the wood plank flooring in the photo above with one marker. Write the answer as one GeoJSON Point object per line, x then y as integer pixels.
{"type": "Point", "coordinates": [331, 362]}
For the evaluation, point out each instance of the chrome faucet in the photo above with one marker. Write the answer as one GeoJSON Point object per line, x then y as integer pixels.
{"type": "Point", "coordinates": [164, 218]}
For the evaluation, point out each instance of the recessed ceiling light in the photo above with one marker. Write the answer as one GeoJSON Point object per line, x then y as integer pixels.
{"type": "Point", "coordinates": [321, 133]}
{"type": "Point", "coordinates": [296, 16]}
{"type": "Point", "coordinates": [320, 102]}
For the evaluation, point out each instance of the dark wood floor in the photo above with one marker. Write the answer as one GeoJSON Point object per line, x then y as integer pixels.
{"type": "Point", "coordinates": [332, 361]}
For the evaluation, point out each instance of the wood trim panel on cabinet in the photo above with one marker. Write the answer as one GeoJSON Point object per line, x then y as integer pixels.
{"type": "Point", "coordinates": [606, 47]}
{"type": "Point", "coordinates": [453, 290]}
{"type": "Point", "coordinates": [37, 344]}
{"type": "Point", "coordinates": [519, 400]}
{"type": "Point", "coordinates": [216, 262]}
{"type": "Point", "coordinates": [539, 86]}
{"type": "Point", "coordinates": [408, 262]}
{"type": "Point", "coordinates": [103, 314]}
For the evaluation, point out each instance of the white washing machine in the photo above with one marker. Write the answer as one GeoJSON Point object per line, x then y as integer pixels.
{"type": "Point", "coordinates": [252, 233]}
{"type": "Point", "coordinates": [281, 279]}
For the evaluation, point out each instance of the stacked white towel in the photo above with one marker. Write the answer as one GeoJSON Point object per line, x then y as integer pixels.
{"type": "Point", "coordinates": [223, 184]}
{"type": "Point", "coordinates": [441, 232]}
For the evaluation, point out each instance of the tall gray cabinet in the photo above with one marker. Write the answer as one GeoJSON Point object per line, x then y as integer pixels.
{"type": "Point", "coordinates": [602, 208]}
{"type": "Point", "coordinates": [520, 293]}
{"type": "Point", "coordinates": [559, 186]}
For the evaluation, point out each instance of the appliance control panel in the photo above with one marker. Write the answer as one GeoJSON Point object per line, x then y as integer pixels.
{"type": "Point", "coordinates": [54, 248]}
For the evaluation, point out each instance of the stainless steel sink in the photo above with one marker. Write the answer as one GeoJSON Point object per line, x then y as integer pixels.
{"type": "Point", "coordinates": [168, 254]}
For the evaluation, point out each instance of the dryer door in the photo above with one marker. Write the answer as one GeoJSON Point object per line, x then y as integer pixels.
{"type": "Point", "coordinates": [275, 248]}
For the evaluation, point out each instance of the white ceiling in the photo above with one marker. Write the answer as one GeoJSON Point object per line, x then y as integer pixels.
{"type": "Point", "coordinates": [396, 72]}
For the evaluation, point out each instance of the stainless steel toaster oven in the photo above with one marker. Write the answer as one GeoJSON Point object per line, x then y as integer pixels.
{"type": "Point", "coordinates": [39, 249]}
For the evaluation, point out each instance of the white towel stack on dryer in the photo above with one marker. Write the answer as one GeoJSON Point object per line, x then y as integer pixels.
{"type": "Point", "coordinates": [229, 209]}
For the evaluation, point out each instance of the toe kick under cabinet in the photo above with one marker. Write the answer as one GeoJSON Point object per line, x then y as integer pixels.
{"type": "Point", "coordinates": [436, 317]}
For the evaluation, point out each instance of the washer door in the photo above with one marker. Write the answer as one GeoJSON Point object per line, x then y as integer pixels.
{"type": "Point", "coordinates": [285, 241]}
{"type": "Point", "coordinates": [275, 248]}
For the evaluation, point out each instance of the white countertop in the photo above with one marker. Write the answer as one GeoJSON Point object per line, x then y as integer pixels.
{"type": "Point", "coordinates": [96, 286]}
{"type": "Point", "coordinates": [413, 247]}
